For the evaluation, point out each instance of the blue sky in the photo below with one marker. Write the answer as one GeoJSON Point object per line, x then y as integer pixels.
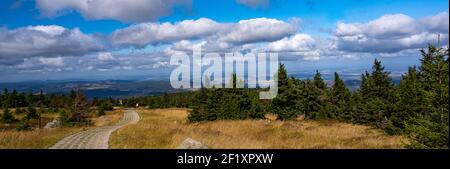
{"type": "Point", "coordinates": [324, 14]}
{"type": "Point", "coordinates": [71, 39]}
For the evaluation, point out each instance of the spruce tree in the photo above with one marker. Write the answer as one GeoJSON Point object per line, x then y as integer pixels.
{"type": "Point", "coordinates": [340, 97]}
{"type": "Point", "coordinates": [31, 113]}
{"type": "Point", "coordinates": [282, 76]}
{"type": "Point", "coordinates": [7, 116]}
{"type": "Point", "coordinates": [318, 81]}
{"type": "Point", "coordinates": [286, 103]}
{"type": "Point", "coordinates": [411, 100]}
{"type": "Point", "coordinates": [340, 92]}
{"type": "Point", "coordinates": [282, 79]}
{"type": "Point", "coordinates": [383, 83]}
{"type": "Point", "coordinates": [376, 97]}
{"type": "Point", "coordinates": [430, 129]}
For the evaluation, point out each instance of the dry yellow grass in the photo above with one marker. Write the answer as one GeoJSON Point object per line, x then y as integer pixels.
{"type": "Point", "coordinates": [167, 128]}
{"type": "Point", "coordinates": [13, 139]}
{"type": "Point", "coordinates": [110, 118]}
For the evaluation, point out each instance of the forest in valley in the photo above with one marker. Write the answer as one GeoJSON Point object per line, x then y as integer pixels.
{"type": "Point", "coordinates": [417, 107]}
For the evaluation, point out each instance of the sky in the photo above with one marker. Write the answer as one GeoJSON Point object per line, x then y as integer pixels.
{"type": "Point", "coordinates": [122, 39]}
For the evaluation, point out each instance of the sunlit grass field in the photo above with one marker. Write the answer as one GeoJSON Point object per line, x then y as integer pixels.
{"type": "Point", "coordinates": [167, 128]}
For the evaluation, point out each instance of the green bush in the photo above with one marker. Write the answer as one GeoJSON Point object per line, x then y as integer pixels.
{"type": "Point", "coordinates": [100, 112]}
{"type": "Point", "coordinates": [64, 117]}
{"type": "Point", "coordinates": [24, 125]}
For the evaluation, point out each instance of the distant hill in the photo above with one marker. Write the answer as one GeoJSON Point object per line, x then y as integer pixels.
{"type": "Point", "coordinates": [130, 88]}
{"type": "Point", "coordinates": [101, 89]}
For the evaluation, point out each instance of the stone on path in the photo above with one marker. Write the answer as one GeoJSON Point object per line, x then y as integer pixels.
{"type": "Point", "coordinates": [192, 144]}
{"type": "Point", "coordinates": [53, 124]}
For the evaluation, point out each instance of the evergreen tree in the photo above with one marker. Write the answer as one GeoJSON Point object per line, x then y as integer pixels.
{"type": "Point", "coordinates": [383, 84]}
{"type": "Point", "coordinates": [30, 99]}
{"type": "Point", "coordinates": [19, 110]}
{"type": "Point", "coordinates": [376, 97]}
{"type": "Point", "coordinates": [430, 128]}
{"type": "Point", "coordinates": [339, 91]}
{"type": "Point", "coordinates": [288, 104]}
{"type": "Point", "coordinates": [285, 104]}
{"type": "Point", "coordinates": [282, 78]}
{"type": "Point", "coordinates": [340, 97]}
{"type": "Point", "coordinates": [318, 81]}
{"type": "Point", "coordinates": [6, 101]}
{"type": "Point", "coordinates": [31, 113]}
{"type": "Point", "coordinates": [314, 100]}
{"type": "Point", "coordinates": [7, 116]}
{"type": "Point", "coordinates": [411, 101]}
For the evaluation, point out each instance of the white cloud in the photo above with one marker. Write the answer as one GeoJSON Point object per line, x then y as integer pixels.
{"type": "Point", "coordinates": [298, 42]}
{"type": "Point", "coordinates": [48, 41]}
{"type": "Point", "coordinates": [41, 65]}
{"type": "Point", "coordinates": [437, 23]}
{"type": "Point", "coordinates": [105, 56]}
{"type": "Point", "coordinates": [52, 30]}
{"type": "Point", "coordinates": [217, 35]}
{"type": "Point", "coordinates": [391, 33]}
{"type": "Point", "coordinates": [154, 33]}
{"type": "Point", "coordinates": [311, 55]}
{"type": "Point", "coordinates": [58, 61]}
{"type": "Point", "coordinates": [258, 30]}
{"type": "Point", "coordinates": [160, 64]}
{"type": "Point", "coordinates": [122, 10]}
{"type": "Point", "coordinates": [49, 48]}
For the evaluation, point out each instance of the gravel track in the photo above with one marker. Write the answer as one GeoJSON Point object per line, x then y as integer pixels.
{"type": "Point", "coordinates": [96, 138]}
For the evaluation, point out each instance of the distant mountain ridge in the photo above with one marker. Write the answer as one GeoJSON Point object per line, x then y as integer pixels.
{"type": "Point", "coordinates": [129, 88]}
{"type": "Point", "coordinates": [101, 89]}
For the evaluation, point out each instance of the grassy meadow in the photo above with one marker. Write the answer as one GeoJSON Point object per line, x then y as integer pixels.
{"type": "Point", "coordinates": [167, 128]}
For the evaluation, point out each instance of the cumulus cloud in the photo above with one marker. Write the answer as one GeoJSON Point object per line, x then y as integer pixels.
{"type": "Point", "coordinates": [122, 10]}
{"type": "Point", "coordinates": [53, 48]}
{"type": "Point", "coordinates": [105, 56]}
{"type": "Point", "coordinates": [58, 61]}
{"type": "Point", "coordinates": [391, 33]}
{"type": "Point", "coordinates": [302, 45]}
{"type": "Point", "coordinates": [160, 64]}
{"type": "Point", "coordinates": [105, 61]}
{"type": "Point", "coordinates": [142, 34]}
{"type": "Point", "coordinates": [254, 3]}
{"type": "Point", "coordinates": [40, 65]}
{"type": "Point", "coordinates": [47, 41]}
{"type": "Point", "coordinates": [296, 43]}
{"type": "Point", "coordinates": [437, 23]}
{"type": "Point", "coordinates": [217, 35]}
{"type": "Point", "coordinates": [258, 30]}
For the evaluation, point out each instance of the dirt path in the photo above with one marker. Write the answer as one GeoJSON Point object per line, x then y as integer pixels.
{"type": "Point", "coordinates": [96, 138]}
